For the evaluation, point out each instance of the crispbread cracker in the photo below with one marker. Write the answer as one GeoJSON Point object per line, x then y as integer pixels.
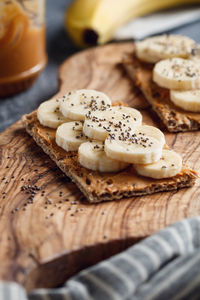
{"type": "Point", "coordinates": [174, 118]}
{"type": "Point", "coordinates": [96, 186]}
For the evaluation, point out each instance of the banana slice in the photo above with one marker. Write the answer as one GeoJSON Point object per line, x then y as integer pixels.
{"type": "Point", "coordinates": [135, 146]}
{"type": "Point", "coordinates": [99, 124]}
{"type": "Point", "coordinates": [69, 136]}
{"type": "Point", "coordinates": [161, 47]}
{"type": "Point", "coordinates": [134, 113]}
{"type": "Point", "coordinates": [195, 54]}
{"type": "Point", "coordinates": [187, 100]}
{"type": "Point", "coordinates": [169, 165]}
{"type": "Point", "coordinates": [143, 50]}
{"type": "Point", "coordinates": [177, 74]}
{"type": "Point", "coordinates": [76, 104]}
{"type": "Point", "coordinates": [91, 155]}
{"type": "Point", "coordinates": [147, 130]}
{"type": "Point", "coordinates": [49, 115]}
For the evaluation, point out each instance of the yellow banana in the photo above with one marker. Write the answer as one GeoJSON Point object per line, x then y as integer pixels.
{"type": "Point", "coordinates": [92, 22]}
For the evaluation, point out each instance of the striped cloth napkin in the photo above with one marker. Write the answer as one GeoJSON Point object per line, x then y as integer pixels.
{"type": "Point", "coordinates": [165, 266]}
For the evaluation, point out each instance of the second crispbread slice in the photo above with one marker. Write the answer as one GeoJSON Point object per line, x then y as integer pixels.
{"type": "Point", "coordinates": [96, 186]}
{"type": "Point", "coordinates": [174, 118]}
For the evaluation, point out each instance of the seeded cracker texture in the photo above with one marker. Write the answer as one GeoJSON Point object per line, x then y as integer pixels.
{"type": "Point", "coordinates": [174, 118]}
{"type": "Point", "coordinates": [96, 186]}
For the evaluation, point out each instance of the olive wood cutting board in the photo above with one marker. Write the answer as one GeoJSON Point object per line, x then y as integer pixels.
{"type": "Point", "coordinates": [48, 232]}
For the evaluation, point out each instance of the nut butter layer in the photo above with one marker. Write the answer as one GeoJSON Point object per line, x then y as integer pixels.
{"type": "Point", "coordinates": [174, 118]}
{"type": "Point", "coordinates": [96, 186]}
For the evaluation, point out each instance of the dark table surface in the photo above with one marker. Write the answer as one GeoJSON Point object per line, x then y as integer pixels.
{"type": "Point", "coordinates": [59, 47]}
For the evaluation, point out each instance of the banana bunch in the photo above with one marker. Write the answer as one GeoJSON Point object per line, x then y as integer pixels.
{"type": "Point", "coordinates": [92, 22]}
{"type": "Point", "coordinates": [108, 138]}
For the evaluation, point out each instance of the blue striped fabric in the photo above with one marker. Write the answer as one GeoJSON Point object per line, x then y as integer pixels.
{"type": "Point", "coordinates": [165, 266]}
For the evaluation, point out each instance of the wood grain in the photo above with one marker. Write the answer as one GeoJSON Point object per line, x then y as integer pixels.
{"type": "Point", "coordinates": [47, 238]}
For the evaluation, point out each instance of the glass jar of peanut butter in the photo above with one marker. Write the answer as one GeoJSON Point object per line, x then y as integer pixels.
{"type": "Point", "coordinates": [22, 44]}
